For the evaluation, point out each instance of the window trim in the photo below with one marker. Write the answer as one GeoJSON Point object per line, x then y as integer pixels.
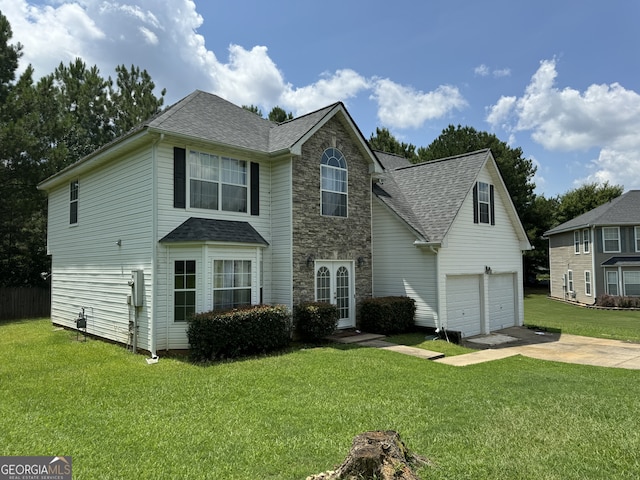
{"type": "Point", "coordinates": [570, 284]}
{"type": "Point", "coordinates": [326, 167]}
{"type": "Point", "coordinates": [624, 282]}
{"type": "Point", "coordinates": [577, 240]}
{"type": "Point", "coordinates": [604, 240]}
{"type": "Point", "coordinates": [608, 283]}
{"type": "Point", "coordinates": [234, 288]}
{"type": "Point", "coordinates": [587, 283]}
{"type": "Point", "coordinates": [185, 289]}
{"type": "Point", "coordinates": [219, 181]}
{"type": "Point", "coordinates": [74, 187]}
{"type": "Point", "coordinates": [586, 240]}
{"type": "Point", "coordinates": [637, 237]}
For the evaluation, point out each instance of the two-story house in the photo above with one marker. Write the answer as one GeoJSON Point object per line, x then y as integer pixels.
{"type": "Point", "coordinates": [597, 252]}
{"type": "Point", "coordinates": [207, 205]}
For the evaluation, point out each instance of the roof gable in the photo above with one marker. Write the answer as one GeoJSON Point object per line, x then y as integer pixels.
{"type": "Point", "coordinates": [622, 210]}
{"type": "Point", "coordinates": [428, 196]}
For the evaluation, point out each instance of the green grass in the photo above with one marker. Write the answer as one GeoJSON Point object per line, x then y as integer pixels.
{"type": "Point", "coordinates": [541, 311]}
{"type": "Point", "coordinates": [291, 415]}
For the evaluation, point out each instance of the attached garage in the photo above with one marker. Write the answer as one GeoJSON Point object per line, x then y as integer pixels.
{"type": "Point", "coordinates": [502, 305]}
{"type": "Point", "coordinates": [463, 304]}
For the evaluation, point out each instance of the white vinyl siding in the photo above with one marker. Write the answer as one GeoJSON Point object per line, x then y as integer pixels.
{"type": "Point", "coordinates": [399, 268]}
{"type": "Point", "coordinates": [89, 268]}
{"type": "Point", "coordinates": [281, 281]}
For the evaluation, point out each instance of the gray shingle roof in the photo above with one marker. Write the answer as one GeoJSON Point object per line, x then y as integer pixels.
{"type": "Point", "coordinates": [209, 117]}
{"type": "Point", "coordinates": [391, 161]}
{"type": "Point", "coordinates": [621, 261]}
{"type": "Point", "coordinates": [429, 195]}
{"type": "Point", "coordinates": [211, 230]}
{"type": "Point", "coordinates": [622, 210]}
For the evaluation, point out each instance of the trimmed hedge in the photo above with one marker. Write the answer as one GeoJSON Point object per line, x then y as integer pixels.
{"type": "Point", "coordinates": [315, 320]}
{"type": "Point", "coordinates": [387, 315]}
{"type": "Point", "coordinates": [239, 332]}
{"type": "Point", "coordinates": [605, 300]}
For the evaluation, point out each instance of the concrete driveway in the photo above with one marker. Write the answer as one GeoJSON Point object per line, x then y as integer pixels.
{"type": "Point", "coordinates": [549, 346]}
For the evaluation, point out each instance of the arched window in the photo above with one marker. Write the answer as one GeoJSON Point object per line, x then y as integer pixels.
{"type": "Point", "coordinates": [333, 186]}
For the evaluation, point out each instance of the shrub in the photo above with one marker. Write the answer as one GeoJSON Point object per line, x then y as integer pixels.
{"type": "Point", "coordinates": [605, 300]}
{"type": "Point", "coordinates": [238, 332]}
{"type": "Point", "coordinates": [387, 315]}
{"type": "Point", "coordinates": [315, 320]}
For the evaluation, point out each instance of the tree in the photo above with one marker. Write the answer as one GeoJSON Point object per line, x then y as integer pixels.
{"type": "Point", "coordinates": [279, 115]}
{"type": "Point", "coordinates": [253, 108]}
{"type": "Point", "coordinates": [9, 56]}
{"type": "Point", "coordinates": [384, 141]}
{"type": "Point", "coordinates": [582, 199]}
{"type": "Point", "coordinates": [133, 101]}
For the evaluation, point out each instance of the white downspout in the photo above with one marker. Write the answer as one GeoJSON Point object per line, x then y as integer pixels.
{"type": "Point", "coordinates": [154, 246]}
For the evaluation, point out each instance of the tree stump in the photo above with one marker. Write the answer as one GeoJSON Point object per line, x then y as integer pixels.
{"type": "Point", "coordinates": [379, 455]}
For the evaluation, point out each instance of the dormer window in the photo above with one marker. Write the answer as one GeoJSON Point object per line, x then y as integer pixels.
{"type": "Point", "coordinates": [333, 183]}
{"type": "Point", "coordinates": [483, 203]}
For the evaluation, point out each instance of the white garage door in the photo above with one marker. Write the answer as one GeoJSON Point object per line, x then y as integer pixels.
{"type": "Point", "coordinates": [463, 304]}
{"type": "Point", "coordinates": [502, 308]}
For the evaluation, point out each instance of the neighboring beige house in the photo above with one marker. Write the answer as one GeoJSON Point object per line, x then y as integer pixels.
{"type": "Point", "coordinates": [207, 205]}
{"type": "Point", "coordinates": [597, 252]}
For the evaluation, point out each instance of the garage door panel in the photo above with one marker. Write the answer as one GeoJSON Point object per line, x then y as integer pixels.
{"type": "Point", "coordinates": [502, 311]}
{"type": "Point", "coordinates": [463, 304]}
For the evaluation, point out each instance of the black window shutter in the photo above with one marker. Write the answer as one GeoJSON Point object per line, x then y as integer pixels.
{"type": "Point", "coordinates": [491, 205]}
{"type": "Point", "coordinates": [475, 203]}
{"type": "Point", "coordinates": [255, 188]}
{"type": "Point", "coordinates": [179, 177]}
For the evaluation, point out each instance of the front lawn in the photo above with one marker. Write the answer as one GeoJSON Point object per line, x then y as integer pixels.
{"type": "Point", "coordinates": [291, 415]}
{"type": "Point", "coordinates": [541, 311]}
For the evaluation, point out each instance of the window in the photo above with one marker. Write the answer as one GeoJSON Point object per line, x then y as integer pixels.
{"type": "Point", "coordinates": [73, 202]}
{"type": "Point", "coordinates": [184, 290]}
{"type": "Point", "coordinates": [586, 240]}
{"type": "Point", "coordinates": [576, 241]}
{"type": "Point", "coordinates": [231, 283]}
{"type": "Point", "coordinates": [631, 282]}
{"type": "Point", "coordinates": [323, 285]}
{"type": "Point", "coordinates": [611, 239]}
{"type": "Point", "coordinates": [570, 280]}
{"type": "Point", "coordinates": [637, 232]}
{"type": "Point", "coordinates": [612, 283]}
{"type": "Point", "coordinates": [483, 203]}
{"type": "Point", "coordinates": [333, 183]}
{"type": "Point", "coordinates": [587, 283]}
{"type": "Point", "coordinates": [217, 183]}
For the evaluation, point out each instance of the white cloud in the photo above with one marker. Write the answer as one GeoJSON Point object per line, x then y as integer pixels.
{"type": "Point", "coordinates": [484, 71]}
{"type": "Point", "coordinates": [400, 106]}
{"type": "Point", "coordinates": [606, 117]}
{"type": "Point", "coordinates": [481, 70]}
{"type": "Point", "coordinates": [162, 37]}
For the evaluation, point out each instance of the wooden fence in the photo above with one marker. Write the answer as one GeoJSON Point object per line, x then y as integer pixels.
{"type": "Point", "coordinates": [24, 302]}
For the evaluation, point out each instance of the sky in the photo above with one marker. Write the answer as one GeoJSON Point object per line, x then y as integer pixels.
{"type": "Point", "coordinates": [558, 78]}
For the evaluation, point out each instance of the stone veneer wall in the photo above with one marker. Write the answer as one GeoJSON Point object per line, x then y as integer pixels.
{"type": "Point", "coordinates": [330, 238]}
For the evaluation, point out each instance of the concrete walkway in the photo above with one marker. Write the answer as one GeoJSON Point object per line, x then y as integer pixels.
{"type": "Point", "coordinates": [376, 341]}
{"type": "Point", "coordinates": [567, 349]}
{"type": "Point", "coordinates": [553, 347]}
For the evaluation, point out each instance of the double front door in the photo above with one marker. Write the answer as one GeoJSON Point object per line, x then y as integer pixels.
{"type": "Point", "coordinates": [334, 284]}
